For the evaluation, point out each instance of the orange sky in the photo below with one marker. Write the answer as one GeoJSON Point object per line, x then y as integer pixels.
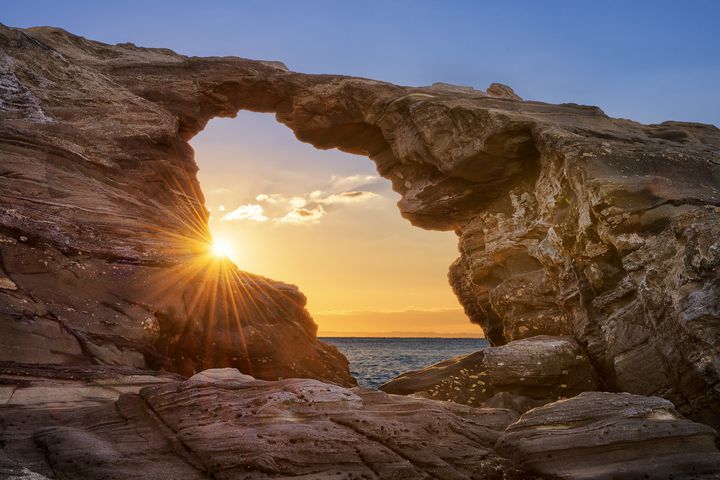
{"type": "Point", "coordinates": [326, 222]}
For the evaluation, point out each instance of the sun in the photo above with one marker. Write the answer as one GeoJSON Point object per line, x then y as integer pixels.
{"type": "Point", "coordinates": [221, 248]}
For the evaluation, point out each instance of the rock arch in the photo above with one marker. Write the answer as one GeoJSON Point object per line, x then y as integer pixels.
{"type": "Point", "coordinates": [570, 222]}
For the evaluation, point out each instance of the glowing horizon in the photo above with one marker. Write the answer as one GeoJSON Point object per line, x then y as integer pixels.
{"type": "Point", "coordinates": [326, 222]}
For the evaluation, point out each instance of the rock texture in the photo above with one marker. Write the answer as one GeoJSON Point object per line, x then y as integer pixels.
{"type": "Point", "coordinates": [605, 435]}
{"type": "Point", "coordinates": [53, 387]}
{"type": "Point", "coordinates": [222, 424]}
{"type": "Point", "coordinates": [103, 232]}
{"type": "Point", "coordinates": [520, 375]}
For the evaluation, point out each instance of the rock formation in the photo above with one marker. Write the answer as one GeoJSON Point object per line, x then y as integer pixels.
{"type": "Point", "coordinates": [600, 435]}
{"type": "Point", "coordinates": [587, 244]}
{"type": "Point", "coordinates": [222, 424]}
{"type": "Point", "coordinates": [103, 232]}
{"type": "Point", "coordinates": [532, 371]}
{"type": "Point", "coordinates": [225, 425]}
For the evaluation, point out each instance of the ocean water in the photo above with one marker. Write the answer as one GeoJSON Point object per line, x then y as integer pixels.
{"type": "Point", "coordinates": [374, 361]}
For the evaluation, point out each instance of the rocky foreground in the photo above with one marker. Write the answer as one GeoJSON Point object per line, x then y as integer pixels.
{"type": "Point", "coordinates": [589, 254]}
{"type": "Point", "coordinates": [225, 425]}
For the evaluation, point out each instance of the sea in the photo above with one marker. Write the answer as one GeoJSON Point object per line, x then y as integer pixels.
{"type": "Point", "coordinates": [374, 361]}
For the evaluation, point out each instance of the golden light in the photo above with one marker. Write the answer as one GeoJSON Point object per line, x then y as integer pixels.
{"type": "Point", "coordinates": [221, 248]}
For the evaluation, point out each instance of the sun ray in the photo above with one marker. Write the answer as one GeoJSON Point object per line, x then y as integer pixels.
{"type": "Point", "coordinates": [222, 248]}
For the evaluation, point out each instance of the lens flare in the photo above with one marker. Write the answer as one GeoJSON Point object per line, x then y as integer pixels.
{"type": "Point", "coordinates": [221, 248]}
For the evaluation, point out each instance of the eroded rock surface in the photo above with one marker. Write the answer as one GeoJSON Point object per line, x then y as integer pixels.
{"type": "Point", "coordinates": [61, 387]}
{"type": "Point", "coordinates": [223, 424]}
{"type": "Point", "coordinates": [599, 435]}
{"type": "Point", "coordinates": [521, 374]}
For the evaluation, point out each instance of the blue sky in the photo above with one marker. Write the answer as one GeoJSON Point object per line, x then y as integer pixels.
{"type": "Point", "coordinates": [646, 60]}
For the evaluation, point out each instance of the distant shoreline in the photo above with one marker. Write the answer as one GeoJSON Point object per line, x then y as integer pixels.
{"type": "Point", "coordinates": [399, 335]}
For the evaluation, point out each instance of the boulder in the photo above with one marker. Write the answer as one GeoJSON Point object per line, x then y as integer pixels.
{"type": "Point", "coordinates": [600, 435]}
{"type": "Point", "coordinates": [524, 374]}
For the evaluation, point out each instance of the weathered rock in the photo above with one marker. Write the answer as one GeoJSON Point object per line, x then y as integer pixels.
{"type": "Point", "coordinates": [529, 372]}
{"type": "Point", "coordinates": [53, 387]}
{"type": "Point", "coordinates": [612, 435]}
{"type": "Point", "coordinates": [502, 91]}
{"type": "Point", "coordinates": [183, 317]}
{"type": "Point", "coordinates": [540, 366]}
{"type": "Point", "coordinates": [570, 222]}
{"type": "Point", "coordinates": [103, 233]}
{"type": "Point", "coordinates": [223, 424]}
{"type": "Point", "coordinates": [511, 402]}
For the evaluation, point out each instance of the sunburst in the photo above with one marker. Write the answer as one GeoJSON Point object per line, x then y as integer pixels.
{"type": "Point", "coordinates": [220, 247]}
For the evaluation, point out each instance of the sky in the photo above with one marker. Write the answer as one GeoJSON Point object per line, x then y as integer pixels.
{"type": "Point", "coordinates": [322, 219]}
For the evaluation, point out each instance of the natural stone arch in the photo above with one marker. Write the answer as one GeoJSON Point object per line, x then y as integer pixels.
{"type": "Point", "coordinates": [570, 222]}
{"type": "Point", "coordinates": [555, 181]}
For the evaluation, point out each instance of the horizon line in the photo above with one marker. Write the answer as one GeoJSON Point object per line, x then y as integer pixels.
{"type": "Point", "coordinates": [396, 334]}
{"type": "Point", "coordinates": [389, 311]}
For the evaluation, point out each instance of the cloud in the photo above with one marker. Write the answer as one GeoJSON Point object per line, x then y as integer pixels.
{"type": "Point", "coordinates": [346, 198]}
{"type": "Point", "coordinates": [303, 215]}
{"type": "Point", "coordinates": [297, 202]}
{"type": "Point", "coordinates": [253, 212]}
{"type": "Point", "coordinates": [273, 198]}
{"type": "Point", "coordinates": [308, 208]}
{"type": "Point", "coordinates": [352, 182]}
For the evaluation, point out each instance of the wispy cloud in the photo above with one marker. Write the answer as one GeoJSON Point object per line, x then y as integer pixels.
{"type": "Point", "coordinates": [297, 202]}
{"type": "Point", "coordinates": [308, 208]}
{"type": "Point", "coordinates": [252, 212]}
{"type": "Point", "coordinates": [351, 182]}
{"type": "Point", "coordinates": [274, 198]}
{"type": "Point", "coordinates": [347, 198]}
{"type": "Point", "coordinates": [304, 216]}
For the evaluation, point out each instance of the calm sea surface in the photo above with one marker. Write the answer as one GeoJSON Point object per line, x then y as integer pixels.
{"type": "Point", "coordinates": [373, 361]}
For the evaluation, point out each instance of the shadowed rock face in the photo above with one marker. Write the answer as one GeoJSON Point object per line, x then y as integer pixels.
{"type": "Point", "coordinates": [570, 223]}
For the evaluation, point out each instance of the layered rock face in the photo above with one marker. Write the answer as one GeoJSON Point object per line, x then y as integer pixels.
{"type": "Point", "coordinates": [103, 232]}
{"type": "Point", "coordinates": [222, 424]}
{"type": "Point", "coordinates": [599, 435]}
